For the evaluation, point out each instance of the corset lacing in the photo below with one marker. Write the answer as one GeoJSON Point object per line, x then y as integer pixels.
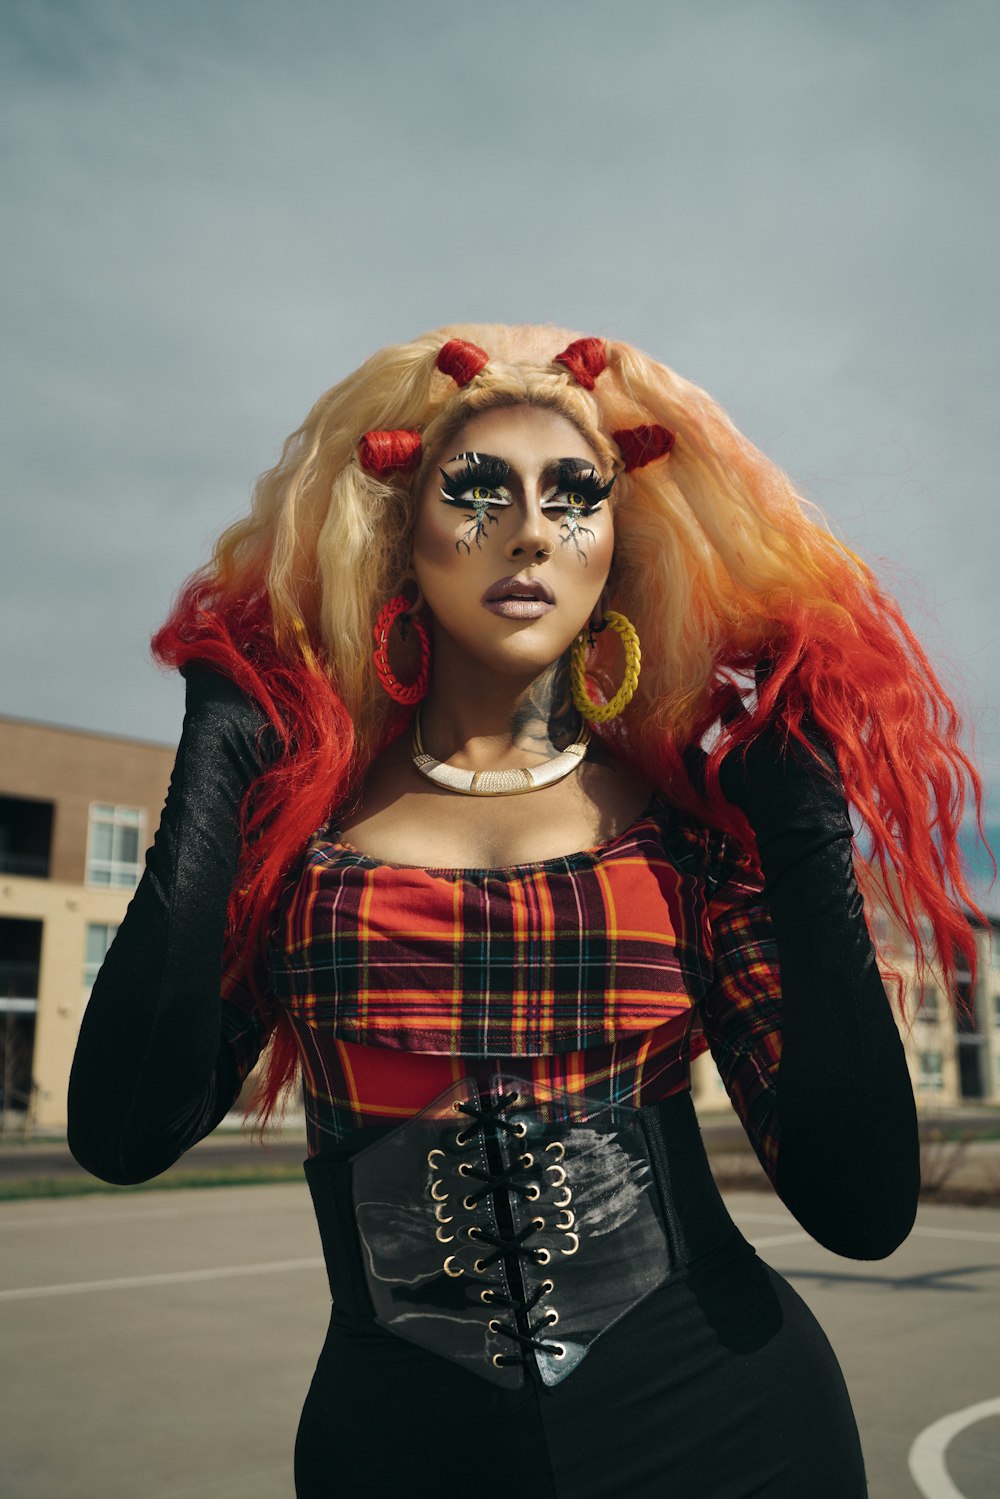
{"type": "Point", "coordinates": [507, 1248]}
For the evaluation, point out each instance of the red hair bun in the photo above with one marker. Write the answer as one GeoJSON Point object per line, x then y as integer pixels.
{"type": "Point", "coordinates": [461, 360]}
{"type": "Point", "coordinates": [396, 452]}
{"type": "Point", "coordinates": [641, 445]}
{"type": "Point", "coordinates": [585, 359]}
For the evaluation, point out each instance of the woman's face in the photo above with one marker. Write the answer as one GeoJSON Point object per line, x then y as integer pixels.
{"type": "Point", "coordinates": [513, 540]}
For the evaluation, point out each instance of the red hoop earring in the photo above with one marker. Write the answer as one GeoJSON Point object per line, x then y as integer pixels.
{"type": "Point", "coordinates": [400, 692]}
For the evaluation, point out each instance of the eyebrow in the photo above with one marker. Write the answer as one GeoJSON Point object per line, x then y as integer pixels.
{"type": "Point", "coordinates": [557, 468]}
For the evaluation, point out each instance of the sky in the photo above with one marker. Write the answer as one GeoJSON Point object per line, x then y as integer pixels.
{"type": "Point", "coordinates": [215, 209]}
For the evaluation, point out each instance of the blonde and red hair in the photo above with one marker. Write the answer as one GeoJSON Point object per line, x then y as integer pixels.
{"type": "Point", "coordinates": [718, 563]}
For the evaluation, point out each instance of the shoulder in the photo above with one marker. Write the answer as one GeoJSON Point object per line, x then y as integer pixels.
{"type": "Point", "coordinates": [701, 848]}
{"type": "Point", "coordinates": [219, 712]}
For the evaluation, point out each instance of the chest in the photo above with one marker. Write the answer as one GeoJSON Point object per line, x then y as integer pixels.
{"type": "Point", "coordinates": [401, 819]}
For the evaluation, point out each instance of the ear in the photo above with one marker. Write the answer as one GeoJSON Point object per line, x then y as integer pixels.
{"type": "Point", "coordinates": [410, 589]}
{"type": "Point", "coordinates": [596, 620]}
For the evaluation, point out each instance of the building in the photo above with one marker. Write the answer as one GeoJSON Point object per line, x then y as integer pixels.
{"type": "Point", "coordinates": [77, 811]}
{"type": "Point", "coordinates": [954, 1058]}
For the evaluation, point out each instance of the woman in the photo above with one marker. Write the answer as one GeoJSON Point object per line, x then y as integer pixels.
{"type": "Point", "coordinates": [582, 811]}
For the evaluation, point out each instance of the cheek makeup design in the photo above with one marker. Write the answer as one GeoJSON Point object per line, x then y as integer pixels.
{"type": "Point", "coordinates": [478, 521]}
{"type": "Point", "coordinates": [574, 530]}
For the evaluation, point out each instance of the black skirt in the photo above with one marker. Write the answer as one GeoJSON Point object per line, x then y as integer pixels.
{"type": "Point", "coordinates": [720, 1384]}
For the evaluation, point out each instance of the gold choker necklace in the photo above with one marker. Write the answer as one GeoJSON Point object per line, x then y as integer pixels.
{"type": "Point", "coordinates": [498, 782]}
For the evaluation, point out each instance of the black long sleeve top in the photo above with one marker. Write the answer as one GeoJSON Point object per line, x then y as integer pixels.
{"type": "Point", "coordinates": [153, 1073]}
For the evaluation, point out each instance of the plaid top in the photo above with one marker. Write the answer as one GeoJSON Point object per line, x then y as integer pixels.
{"type": "Point", "coordinates": [602, 972]}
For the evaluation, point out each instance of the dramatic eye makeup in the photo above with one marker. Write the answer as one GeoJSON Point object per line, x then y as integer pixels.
{"type": "Point", "coordinates": [483, 485]}
{"type": "Point", "coordinates": [482, 477]}
{"type": "Point", "coordinates": [479, 486]}
{"type": "Point", "coordinates": [578, 487]}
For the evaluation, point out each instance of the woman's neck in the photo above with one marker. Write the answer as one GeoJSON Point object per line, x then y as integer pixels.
{"type": "Point", "coordinates": [489, 722]}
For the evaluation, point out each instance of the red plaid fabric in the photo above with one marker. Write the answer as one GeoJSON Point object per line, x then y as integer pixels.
{"type": "Point", "coordinates": [585, 972]}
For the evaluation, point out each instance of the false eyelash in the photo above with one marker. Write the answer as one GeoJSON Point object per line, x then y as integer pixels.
{"type": "Point", "coordinates": [490, 472]}
{"type": "Point", "coordinates": [587, 483]}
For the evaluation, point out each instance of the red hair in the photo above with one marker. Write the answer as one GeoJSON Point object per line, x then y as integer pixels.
{"type": "Point", "coordinates": [586, 359]}
{"type": "Point", "coordinates": [461, 360]}
{"type": "Point", "coordinates": [641, 445]}
{"type": "Point", "coordinates": [858, 670]}
{"type": "Point", "coordinates": [860, 674]}
{"type": "Point", "coordinates": [314, 771]}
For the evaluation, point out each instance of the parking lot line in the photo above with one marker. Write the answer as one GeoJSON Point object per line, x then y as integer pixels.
{"type": "Point", "coordinates": [175, 1277]}
{"type": "Point", "coordinates": [927, 1465]}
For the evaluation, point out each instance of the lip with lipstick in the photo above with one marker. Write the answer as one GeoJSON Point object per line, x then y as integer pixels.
{"type": "Point", "coordinates": [519, 598]}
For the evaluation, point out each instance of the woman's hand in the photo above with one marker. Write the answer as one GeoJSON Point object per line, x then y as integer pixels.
{"type": "Point", "coordinates": [791, 793]}
{"type": "Point", "coordinates": [152, 1072]}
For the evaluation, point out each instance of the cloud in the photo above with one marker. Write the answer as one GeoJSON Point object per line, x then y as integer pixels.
{"type": "Point", "coordinates": [214, 212]}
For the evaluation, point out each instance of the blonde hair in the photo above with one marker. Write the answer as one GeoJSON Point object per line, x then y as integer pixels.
{"type": "Point", "coordinates": [719, 564]}
{"type": "Point", "coordinates": [712, 544]}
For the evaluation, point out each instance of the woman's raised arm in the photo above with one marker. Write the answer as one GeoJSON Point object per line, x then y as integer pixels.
{"type": "Point", "coordinates": [152, 1073]}
{"type": "Point", "coordinates": [799, 1021]}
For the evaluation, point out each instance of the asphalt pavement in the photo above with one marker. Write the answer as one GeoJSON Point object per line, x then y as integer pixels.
{"type": "Point", "coordinates": [159, 1345]}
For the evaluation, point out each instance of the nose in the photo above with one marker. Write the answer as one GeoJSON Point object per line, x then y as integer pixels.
{"type": "Point", "coordinates": [531, 537]}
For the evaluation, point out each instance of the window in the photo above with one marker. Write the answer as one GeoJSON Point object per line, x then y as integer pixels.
{"type": "Point", "coordinates": [931, 1075]}
{"type": "Point", "coordinates": [928, 1009]}
{"type": "Point", "coordinates": [115, 847]}
{"type": "Point", "coordinates": [99, 939]}
{"type": "Point", "coordinates": [25, 836]}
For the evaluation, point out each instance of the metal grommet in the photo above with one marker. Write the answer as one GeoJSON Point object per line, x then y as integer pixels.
{"type": "Point", "coordinates": [457, 1107]}
{"type": "Point", "coordinates": [533, 1193]}
{"type": "Point", "coordinates": [497, 1361]}
{"type": "Point", "coordinates": [462, 1138]}
{"type": "Point", "coordinates": [538, 1223]}
{"type": "Point", "coordinates": [448, 1263]}
{"type": "Point", "coordinates": [479, 1266]}
{"type": "Point", "coordinates": [551, 1316]}
{"type": "Point", "coordinates": [430, 1157]}
{"type": "Point", "coordinates": [520, 1129]}
{"type": "Point", "coordinates": [558, 1180]}
{"type": "Point", "coordinates": [570, 1219]}
{"type": "Point", "coordinates": [547, 1286]}
{"type": "Point", "coordinates": [442, 1237]}
{"type": "Point", "coordinates": [565, 1201]}
{"type": "Point", "coordinates": [493, 1324]}
{"type": "Point", "coordinates": [464, 1168]}
{"type": "Point", "coordinates": [468, 1203]}
{"type": "Point", "coordinates": [473, 1231]}
{"type": "Point", "coordinates": [526, 1160]}
{"type": "Point", "coordinates": [487, 1297]}
{"type": "Point", "coordinates": [558, 1351]}
{"type": "Point", "coordinates": [442, 1216]}
{"type": "Point", "coordinates": [438, 1196]}
{"type": "Point", "coordinates": [557, 1145]}
{"type": "Point", "coordinates": [576, 1244]}
{"type": "Point", "coordinates": [542, 1256]}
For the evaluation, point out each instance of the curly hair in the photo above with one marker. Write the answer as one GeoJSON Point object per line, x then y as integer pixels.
{"type": "Point", "coordinates": [718, 562]}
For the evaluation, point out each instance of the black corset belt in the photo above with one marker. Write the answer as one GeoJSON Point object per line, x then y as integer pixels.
{"type": "Point", "coordinates": [507, 1229]}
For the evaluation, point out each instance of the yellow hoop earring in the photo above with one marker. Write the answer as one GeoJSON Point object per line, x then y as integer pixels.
{"type": "Point", "coordinates": [604, 712]}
